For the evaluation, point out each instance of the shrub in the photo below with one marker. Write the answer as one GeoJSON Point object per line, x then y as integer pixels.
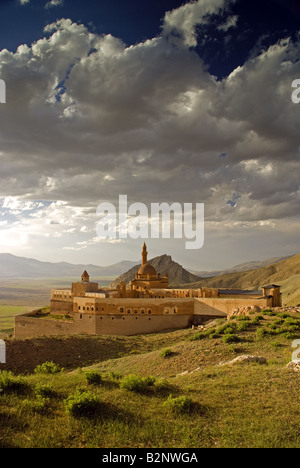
{"type": "Point", "coordinates": [231, 338]}
{"type": "Point", "coordinates": [93, 377]}
{"type": "Point", "coordinates": [292, 321]}
{"type": "Point", "coordinates": [202, 334]}
{"type": "Point", "coordinates": [48, 367]}
{"type": "Point", "coordinates": [44, 390]}
{"type": "Point", "coordinates": [81, 404]}
{"type": "Point", "coordinates": [39, 405]}
{"type": "Point", "coordinates": [11, 383]}
{"type": "Point", "coordinates": [261, 332]}
{"type": "Point", "coordinates": [135, 383]}
{"type": "Point", "coordinates": [289, 335]}
{"type": "Point", "coordinates": [241, 318]}
{"type": "Point", "coordinates": [225, 329]}
{"type": "Point", "coordinates": [214, 335]}
{"type": "Point", "coordinates": [242, 326]}
{"type": "Point", "coordinates": [166, 353]}
{"type": "Point", "coordinates": [268, 312]}
{"type": "Point", "coordinates": [282, 315]}
{"type": "Point", "coordinates": [179, 405]}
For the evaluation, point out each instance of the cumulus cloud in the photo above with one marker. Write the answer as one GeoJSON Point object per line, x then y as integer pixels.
{"type": "Point", "coordinates": [179, 25]}
{"type": "Point", "coordinates": [88, 118]}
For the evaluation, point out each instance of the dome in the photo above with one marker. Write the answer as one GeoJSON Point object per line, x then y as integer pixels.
{"type": "Point", "coordinates": [147, 269]}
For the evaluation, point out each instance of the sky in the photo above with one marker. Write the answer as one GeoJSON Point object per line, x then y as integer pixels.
{"type": "Point", "coordinates": [162, 101]}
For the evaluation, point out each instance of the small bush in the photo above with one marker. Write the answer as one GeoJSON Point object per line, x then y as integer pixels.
{"type": "Point", "coordinates": [11, 383]}
{"type": "Point", "coordinates": [231, 338]}
{"type": "Point", "coordinates": [214, 335]}
{"type": "Point", "coordinates": [261, 332]}
{"type": "Point", "coordinates": [256, 320]}
{"type": "Point", "coordinates": [93, 377]}
{"type": "Point", "coordinates": [289, 335]}
{"type": "Point", "coordinates": [268, 312]}
{"type": "Point", "coordinates": [44, 390]}
{"type": "Point", "coordinates": [39, 405]}
{"type": "Point", "coordinates": [242, 326]}
{"type": "Point", "coordinates": [292, 321]}
{"type": "Point", "coordinates": [179, 405]}
{"type": "Point", "coordinates": [81, 404]}
{"type": "Point", "coordinates": [47, 367]}
{"type": "Point", "coordinates": [135, 383]}
{"type": "Point", "coordinates": [226, 329]}
{"type": "Point", "coordinates": [166, 353]}
{"type": "Point", "coordinates": [241, 318]}
{"type": "Point", "coordinates": [282, 315]}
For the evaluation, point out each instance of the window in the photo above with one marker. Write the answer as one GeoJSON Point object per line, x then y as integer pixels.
{"type": "Point", "coordinates": [87, 308]}
{"type": "Point", "coordinates": [142, 311]}
{"type": "Point", "coordinates": [135, 311]}
{"type": "Point", "coordinates": [128, 311]}
{"type": "Point", "coordinates": [149, 311]}
{"type": "Point", "coordinates": [83, 308]}
{"type": "Point", "coordinates": [121, 310]}
{"type": "Point", "coordinates": [78, 307]}
{"type": "Point", "coordinates": [80, 316]}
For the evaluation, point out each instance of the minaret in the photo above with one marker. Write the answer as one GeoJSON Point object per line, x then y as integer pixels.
{"type": "Point", "coordinates": [144, 254]}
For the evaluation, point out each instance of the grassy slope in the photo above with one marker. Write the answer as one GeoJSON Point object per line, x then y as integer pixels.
{"type": "Point", "coordinates": [234, 406]}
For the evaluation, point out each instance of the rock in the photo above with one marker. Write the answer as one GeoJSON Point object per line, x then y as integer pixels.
{"type": "Point", "coordinates": [245, 358]}
{"type": "Point", "coordinates": [294, 366]}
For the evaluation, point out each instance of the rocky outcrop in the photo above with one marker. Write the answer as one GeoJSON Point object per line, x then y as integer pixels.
{"type": "Point", "coordinates": [294, 366]}
{"type": "Point", "coordinates": [244, 311]}
{"type": "Point", "coordinates": [245, 358]}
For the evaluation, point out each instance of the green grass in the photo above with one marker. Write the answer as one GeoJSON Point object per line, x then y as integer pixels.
{"type": "Point", "coordinates": [7, 317]}
{"type": "Point", "coordinates": [141, 400]}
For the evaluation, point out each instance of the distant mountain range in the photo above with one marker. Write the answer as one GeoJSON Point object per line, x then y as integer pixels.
{"type": "Point", "coordinates": [241, 267]}
{"type": "Point", "coordinates": [13, 267]}
{"type": "Point", "coordinates": [284, 271]}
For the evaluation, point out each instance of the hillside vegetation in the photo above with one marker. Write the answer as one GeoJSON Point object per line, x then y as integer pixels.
{"type": "Point", "coordinates": [168, 390]}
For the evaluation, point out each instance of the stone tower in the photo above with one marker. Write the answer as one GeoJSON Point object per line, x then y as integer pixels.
{"type": "Point", "coordinates": [144, 254]}
{"type": "Point", "coordinates": [85, 277]}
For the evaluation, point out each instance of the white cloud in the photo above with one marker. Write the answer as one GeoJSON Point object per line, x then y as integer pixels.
{"type": "Point", "coordinates": [180, 24]}
{"type": "Point", "coordinates": [93, 119]}
{"type": "Point", "coordinates": [54, 3]}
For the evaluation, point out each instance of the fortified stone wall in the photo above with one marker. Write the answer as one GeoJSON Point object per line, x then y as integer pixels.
{"type": "Point", "coordinates": [61, 307]}
{"type": "Point", "coordinates": [211, 306]}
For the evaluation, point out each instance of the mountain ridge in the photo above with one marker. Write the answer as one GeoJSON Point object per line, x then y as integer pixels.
{"type": "Point", "coordinates": [162, 264]}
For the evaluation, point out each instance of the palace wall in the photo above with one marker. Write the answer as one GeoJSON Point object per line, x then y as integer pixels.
{"type": "Point", "coordinates": [212, 306]}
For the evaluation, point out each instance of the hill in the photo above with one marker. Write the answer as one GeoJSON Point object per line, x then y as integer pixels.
{"type": "Point", "coordinates": [14, 267]}
{"type": "Point", "coordinates": [286, 273]}
{"type": "Point", "coordinates": [240, 267]}
{"type": "Point", "coordinates": [163, 264]}
{"type": "Point", "coordinates": [134, 394]}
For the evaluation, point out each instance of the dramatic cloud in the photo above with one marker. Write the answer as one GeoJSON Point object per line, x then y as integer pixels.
{"type": "Point", "coordinates": [88, 118]}
{"type": "Point", "coordinates": [180, 24]}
